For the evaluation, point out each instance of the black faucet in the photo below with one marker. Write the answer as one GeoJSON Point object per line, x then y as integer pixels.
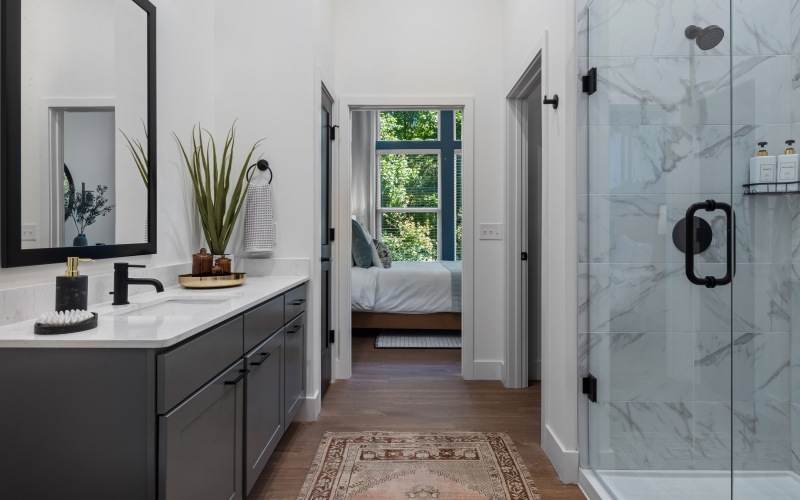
{"type": "Point", "coordinates": [121, 282]}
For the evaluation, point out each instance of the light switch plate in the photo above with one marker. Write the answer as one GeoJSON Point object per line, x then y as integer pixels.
{"type": "Point", "coordinates": [28, 232]}
{"type": "Point", "coordinates": [491, 232]}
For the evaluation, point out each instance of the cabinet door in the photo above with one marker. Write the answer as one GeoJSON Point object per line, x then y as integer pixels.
{"type": "Point", "coordinates": [294, 367]}
{"type": "Point", "coordinates": [200, 442]}
{"type": "Point", "coordinates": [264, 406]}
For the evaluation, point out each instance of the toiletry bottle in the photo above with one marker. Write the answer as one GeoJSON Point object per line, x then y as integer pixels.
{"type": "Point", "coordinates": [787, 167]}
{"type": "Point", "coordinates": [762, 168]}
{"type": "Point", "coordinates": [72, 289]}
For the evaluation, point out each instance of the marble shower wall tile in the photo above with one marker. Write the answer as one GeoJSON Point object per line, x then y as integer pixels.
{"type": "Point", "coordinates": [794, 25]}
{"type": "Point", "coordinates": [760, 29]}
{"type": "Point", "coordinates": [660, 159]}
{"type": "Point", "coordinates": [762, 298]}
{"type": "Point", "coordinates": [712, 435]}
{"type": "Point", "coordinates": [642, 436]}
{"type": "Point", "coordinates": [761, 435]}
{"type": "Point", "coordinates": [795, 461]}
{"type": "Point", "coordinates": [655, 298]}
{"type": "Point", "coordinates": [642, 366]}
{"type": "Point", "coordinates": [653, 27]}
{"type": "Point", "coordinates": [762, 90]}
{"type": "Point", "coordinates": [639, 228]}
{"type": "Point", "coordinates": [765, 228]}
{"type": "Point", "coordinates": [662, 90]}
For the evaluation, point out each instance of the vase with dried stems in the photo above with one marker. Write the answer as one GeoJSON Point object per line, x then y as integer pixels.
{"type": "Point", "coordinates": [211, 174]}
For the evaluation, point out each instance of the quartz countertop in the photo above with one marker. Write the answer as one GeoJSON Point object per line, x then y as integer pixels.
{"type": "Point", "coordinates": [116, 329]}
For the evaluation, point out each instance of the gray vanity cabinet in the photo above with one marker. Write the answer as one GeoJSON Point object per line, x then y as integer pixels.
{"type": "Point", "coordinates": [264, 418]}
{"type": "Point", "coordinates": [294, 371]}
{"type": "Point", "coordinates": [200, 442]}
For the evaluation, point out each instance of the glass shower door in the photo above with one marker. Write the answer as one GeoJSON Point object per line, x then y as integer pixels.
{"type": "Point", "coordinates": [766, 342]}
{"type": "Point", "coordinates": [659, 330]}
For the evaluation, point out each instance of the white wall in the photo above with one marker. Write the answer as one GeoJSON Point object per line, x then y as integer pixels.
{"type": "Point", "coordinates": [185, 95]}
{"type": "Point", "coordinates": [267, 54]}
{"type": "Point", "coordinates": [443, 48]}
{"type": "Point", "coordinates": [524, 23]}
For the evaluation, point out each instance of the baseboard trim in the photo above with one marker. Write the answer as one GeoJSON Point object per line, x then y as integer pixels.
{"type": "Point", "coordinates": [591, 486]}
{"type": "Point", "coordinates": [310, 409]}
{"type": "Point", "coordinates": [487, 370]}
{"type": "Point", "coordinates": [565, 462]}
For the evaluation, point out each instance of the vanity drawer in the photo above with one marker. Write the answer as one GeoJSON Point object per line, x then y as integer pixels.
{"type": "Point", "coordinates": [295, 303]}
{"type": "Point", "coordinates": [183, 370]}
{"type": "Point", "coordinates": [263, 321]}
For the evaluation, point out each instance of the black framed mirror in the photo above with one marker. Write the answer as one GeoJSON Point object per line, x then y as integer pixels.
{"type": "Point", "coordinates": [78, 88]}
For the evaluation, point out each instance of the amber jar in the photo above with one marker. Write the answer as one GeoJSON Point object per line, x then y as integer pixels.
{"type": "Point", "coordinates": [202, 263]}
{"type": "Point", "coordinates": [225, 263]}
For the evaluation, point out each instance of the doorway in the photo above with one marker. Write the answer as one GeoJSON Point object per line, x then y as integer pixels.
{"type": "Point", "coordinates": [531, 228]}
{"type": "Point", "coordinates": [327, 136]}
{"type": "Point", "coordinates": [374, 223]}
{"type": "Point", "coordinates": [526, 222]}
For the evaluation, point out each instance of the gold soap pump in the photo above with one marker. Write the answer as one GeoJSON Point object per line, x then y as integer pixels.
{"type": "Point", "coordinates": [72, 289]}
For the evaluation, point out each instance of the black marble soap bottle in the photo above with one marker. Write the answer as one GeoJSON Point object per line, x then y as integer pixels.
{"type": "Point", "coordinates": [72, 289]}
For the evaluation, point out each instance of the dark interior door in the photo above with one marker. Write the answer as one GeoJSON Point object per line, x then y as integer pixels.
{"type": "Point", "coordinates": [326, 335]}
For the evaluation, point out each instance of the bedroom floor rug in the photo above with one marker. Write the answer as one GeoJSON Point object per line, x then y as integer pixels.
{"type": "Point", "coordinates": [418, 465]}
{"type": "Point", "coordinates": [416, 340]}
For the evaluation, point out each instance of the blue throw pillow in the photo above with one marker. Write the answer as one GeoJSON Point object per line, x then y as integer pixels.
{"type": "Point", "coordinates": [362, 247]}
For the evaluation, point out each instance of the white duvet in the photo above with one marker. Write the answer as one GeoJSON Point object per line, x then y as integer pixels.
{"type": "Point", "coordinates": [406, 288]}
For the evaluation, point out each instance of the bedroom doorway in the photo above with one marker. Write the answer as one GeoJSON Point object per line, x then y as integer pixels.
{"type": "Point", "coordinates": [408, 268]}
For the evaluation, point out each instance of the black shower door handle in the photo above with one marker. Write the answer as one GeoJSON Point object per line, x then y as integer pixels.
{"type": "Point", "coordinates": [710, 206]}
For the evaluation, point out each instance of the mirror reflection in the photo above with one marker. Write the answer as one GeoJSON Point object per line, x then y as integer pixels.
{"type": "Point", "coordinates": [84, 110]}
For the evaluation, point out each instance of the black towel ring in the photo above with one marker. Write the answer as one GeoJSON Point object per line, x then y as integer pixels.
{"type": "Point", "coordinates": [262, 165]}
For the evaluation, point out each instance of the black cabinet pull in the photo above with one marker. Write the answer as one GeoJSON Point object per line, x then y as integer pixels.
{"type": "Point", "coordinates": [242, 374]}
{"type": "Point", "coordinates": [295, 329]}
{"type": "Point", "coordinates": [264, 356]}
{"type": "Point", "coordinates": [297, 302]}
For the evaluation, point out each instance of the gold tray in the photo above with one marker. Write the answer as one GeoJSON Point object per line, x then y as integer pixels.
{"type": "Point", "coordinates": [223, 281]}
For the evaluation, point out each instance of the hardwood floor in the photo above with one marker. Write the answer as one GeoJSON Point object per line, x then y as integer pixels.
{"type": "Point", "coordinates": [412, 390]}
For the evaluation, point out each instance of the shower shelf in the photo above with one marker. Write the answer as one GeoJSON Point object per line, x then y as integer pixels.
{"type": "Point", "coordinates": [760, 188]}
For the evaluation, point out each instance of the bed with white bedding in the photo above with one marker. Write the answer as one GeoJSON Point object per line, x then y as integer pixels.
{"type": "Point", "coordinates": [407, 295]}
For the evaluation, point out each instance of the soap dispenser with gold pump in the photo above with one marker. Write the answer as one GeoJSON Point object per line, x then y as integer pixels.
{"type": "Point", "coordinates": [763, 167]}
{"type": "Point", "coordinates": [72, 289]}
{"type": "Point", "coordinates": [788, 165]}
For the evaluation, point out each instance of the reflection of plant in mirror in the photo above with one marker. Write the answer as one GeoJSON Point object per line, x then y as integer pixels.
{"type": "Point", "coordinates": [211, 180]}
{"type": "Point", "coordinates": [138, 153]}
{"type": "Point", "coordinates": [86, 206]}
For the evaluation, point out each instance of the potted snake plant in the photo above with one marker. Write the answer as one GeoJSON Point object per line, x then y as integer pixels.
{"type": "Point", "coordinates": [218, 200]}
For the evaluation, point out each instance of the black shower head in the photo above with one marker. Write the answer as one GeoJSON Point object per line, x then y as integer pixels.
{"type": "Point", "coordinates": [706, 38]}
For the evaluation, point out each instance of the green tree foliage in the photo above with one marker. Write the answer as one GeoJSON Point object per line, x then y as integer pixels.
{"type": "Point", "coordinates": [409, 125]}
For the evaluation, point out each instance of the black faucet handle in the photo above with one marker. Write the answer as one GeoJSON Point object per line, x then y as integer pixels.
{"type": "Point", "coordinates": [137, 265]}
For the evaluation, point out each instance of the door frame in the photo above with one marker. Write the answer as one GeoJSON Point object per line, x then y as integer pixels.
{"type": "Point", "coordinates": [343, 360]}
{"type": "Point", "coordinates": [516, 366]}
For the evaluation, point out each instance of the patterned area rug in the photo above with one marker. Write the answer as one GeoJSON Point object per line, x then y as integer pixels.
{"type": "Point", "coordinates": [412, 465]}
{"type": "Point", "coordinates": [405, 339]}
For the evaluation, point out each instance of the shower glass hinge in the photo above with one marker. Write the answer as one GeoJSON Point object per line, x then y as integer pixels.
{"type": "Point", "coordinates": [332, 234]}
{"type": "Point", "coordinates": [331, 336]}
{"type": "Point", "coordinates": [590, 387]}
{"type": "Point", "coordinates": [590, 81]}
{"type": "Point", "coordinates": [524, 255]}
{"type": "Point", "coordinates": [333, 132]}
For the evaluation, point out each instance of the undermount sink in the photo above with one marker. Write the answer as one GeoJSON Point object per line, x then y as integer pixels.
{"type": "Point", "coordinates": [171, 306]}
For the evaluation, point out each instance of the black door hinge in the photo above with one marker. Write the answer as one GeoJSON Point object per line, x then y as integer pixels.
{"type": "Point", "coordinates": [331, 336]}
{"type": "Point", "coordinates": [333, 132]}
{"type": "Point", "coordinates": [524, 255]}
{"type": "Point", "coordinates": [590, 81]}
{"type": "Point", "coordinates": [590, 387]}
{"type": "Point", "coordinates": [332, 234]}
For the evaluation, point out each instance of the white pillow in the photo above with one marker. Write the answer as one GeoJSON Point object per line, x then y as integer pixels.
{"type": "Point", "coordinates": [376, 259]}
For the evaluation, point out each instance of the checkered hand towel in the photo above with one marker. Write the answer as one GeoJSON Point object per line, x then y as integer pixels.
{"type": "Point", "coordinates": [259, 227]}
